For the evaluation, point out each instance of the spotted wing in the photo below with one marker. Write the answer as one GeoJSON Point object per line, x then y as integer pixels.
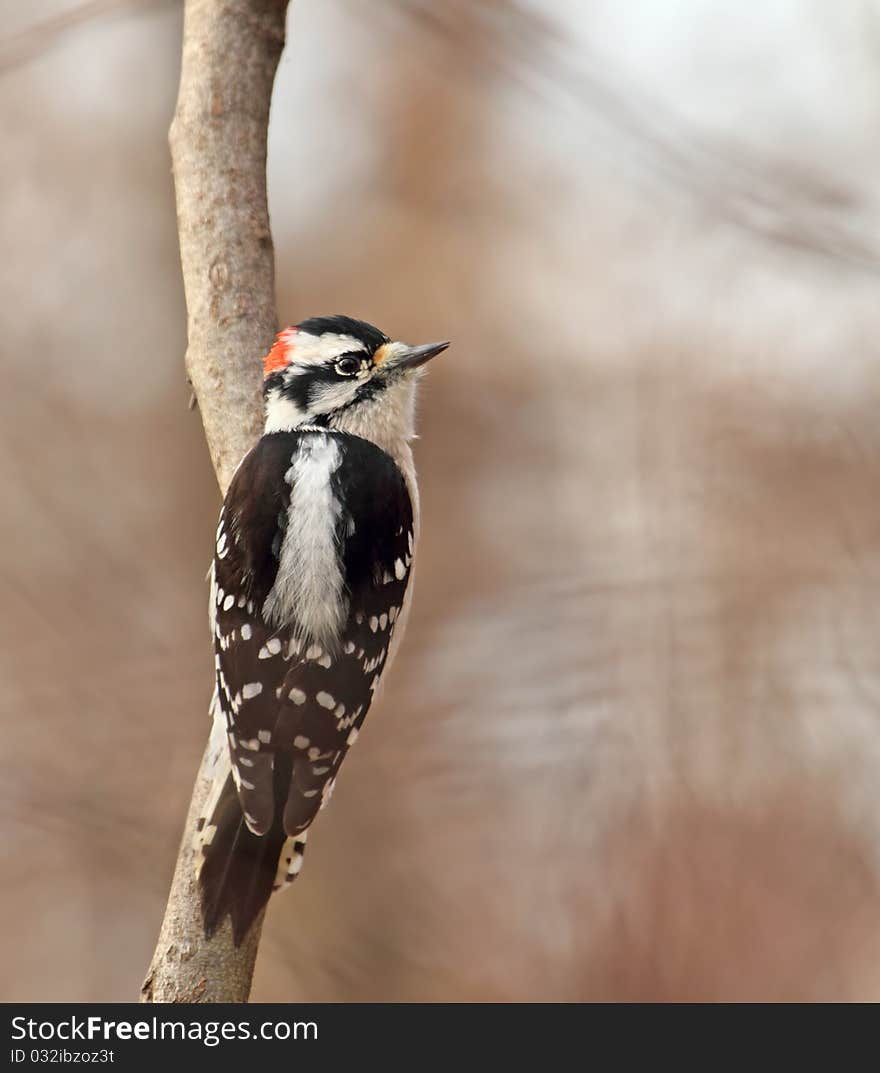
{"type": "Point", "coordinates": [328, 689]}
{"type": "Point", "coordinates": [250, 534]}
{"type": "Point", "coordinates": [292, 705]}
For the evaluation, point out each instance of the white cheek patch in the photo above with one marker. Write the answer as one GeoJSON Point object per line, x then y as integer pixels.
{"type": "Point", "coordinates": [281, 413]}
{"type": "Point", "coordinates": [307, 350]}
{"type": "Point", "coordinates": [325, 398]}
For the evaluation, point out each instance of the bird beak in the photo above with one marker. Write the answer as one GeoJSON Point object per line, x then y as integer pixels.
{"type": "Point", "coordinates": [411, 357]}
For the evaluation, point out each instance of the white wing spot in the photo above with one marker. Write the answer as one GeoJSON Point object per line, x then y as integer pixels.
{"type": "Point", "coordinates": [349, 647]}
{"type": "Point", "coordinates": [297, 696]}
{"type": "Point", "coordinates": [246, 632]}
{"type": "Point", "coordinates": [383, 621]}
{"type": "Point", "coordinates": [352, 736]}
{"type": "Point", "coordinates": [314, 652]}
{"type": "Point", "coordinates": [325, 660]}
{"type": "Point", "coordinates": [251, 689]}
{"type": "Point", "coordinates": [300, 742]}
{"type": "Point", "coordinates": [374, 623]}
{"type": "Point", "coordinates": [340, 711]}
{"type": "Point", "coordinates": [265, 736]}
{"type": "Point", "coordinates": [399, 570]}
{"type": "Point", "coordinates": [228, 602]}
{"type": "Point", "coordinates": [325, 700]}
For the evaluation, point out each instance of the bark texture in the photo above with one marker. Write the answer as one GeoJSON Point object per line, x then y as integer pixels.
{"type": "Point", "coordinates": [218, 147]}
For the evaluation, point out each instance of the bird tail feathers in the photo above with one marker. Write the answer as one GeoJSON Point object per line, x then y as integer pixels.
{"type": "Point", "coordinates": [238, 870]}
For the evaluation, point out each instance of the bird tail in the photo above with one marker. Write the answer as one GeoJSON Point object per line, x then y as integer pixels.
{"type": "Point", "coordinates": [238, 869]}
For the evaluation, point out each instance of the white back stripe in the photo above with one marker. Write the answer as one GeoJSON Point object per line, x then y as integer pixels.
{"type": "Point", "coordinates": [309, 588]}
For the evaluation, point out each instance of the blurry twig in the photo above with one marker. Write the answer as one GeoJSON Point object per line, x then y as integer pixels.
{"type": "Point", "coordinates": [218, 149]}
{"type": "Point", "coordinates": [29, 43]}
{"type": "Point", "coordinates": [801, 207]}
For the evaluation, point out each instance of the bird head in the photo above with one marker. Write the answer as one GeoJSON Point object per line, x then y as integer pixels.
{"type": "Point", "coordinates": [337, 372]}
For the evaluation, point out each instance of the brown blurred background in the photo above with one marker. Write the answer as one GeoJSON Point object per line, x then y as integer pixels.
{"type": "Point", "coordinates": [631, 748]}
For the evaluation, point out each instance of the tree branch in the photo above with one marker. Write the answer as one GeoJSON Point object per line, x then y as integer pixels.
{"type": "Point", "coordinates": [231, 50]}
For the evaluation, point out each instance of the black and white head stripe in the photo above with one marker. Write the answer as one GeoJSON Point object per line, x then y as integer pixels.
{"type": "Point", "coordinates": [327, 368]}
{"type": "Point", "coordinates": [322, 365]}
{"type": "Point", "coordinates": [369, 337]}
{"type": "Point", "coordinates": [313, 557]}
{"type": "Point", "coordinates": [319, 342]}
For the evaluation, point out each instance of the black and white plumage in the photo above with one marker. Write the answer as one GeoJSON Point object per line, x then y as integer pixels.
{"type": "Point", "coordinates": [309, 595]}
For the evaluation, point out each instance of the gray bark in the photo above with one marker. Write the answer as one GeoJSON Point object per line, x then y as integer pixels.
{"type": "Point", "coordinates": [218, 148]}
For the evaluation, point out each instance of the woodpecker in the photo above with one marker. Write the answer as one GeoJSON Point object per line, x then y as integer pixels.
{"type": "Point", "coordinates": [310, 590]}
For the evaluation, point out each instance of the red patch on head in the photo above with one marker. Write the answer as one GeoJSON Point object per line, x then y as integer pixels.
{"type": "Point", "coordinates": [279, 356]}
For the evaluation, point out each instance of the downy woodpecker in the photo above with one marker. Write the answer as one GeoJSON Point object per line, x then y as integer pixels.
{"type": "Point", "coordinates": [310, 588]}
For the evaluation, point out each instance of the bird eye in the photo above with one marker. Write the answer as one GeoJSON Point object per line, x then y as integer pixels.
{"type": "Point", "coordinates": [348, 366]}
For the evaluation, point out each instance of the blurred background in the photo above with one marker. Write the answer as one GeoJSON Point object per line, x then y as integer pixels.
{"type": "Point", "coordinates": [631, 748]}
